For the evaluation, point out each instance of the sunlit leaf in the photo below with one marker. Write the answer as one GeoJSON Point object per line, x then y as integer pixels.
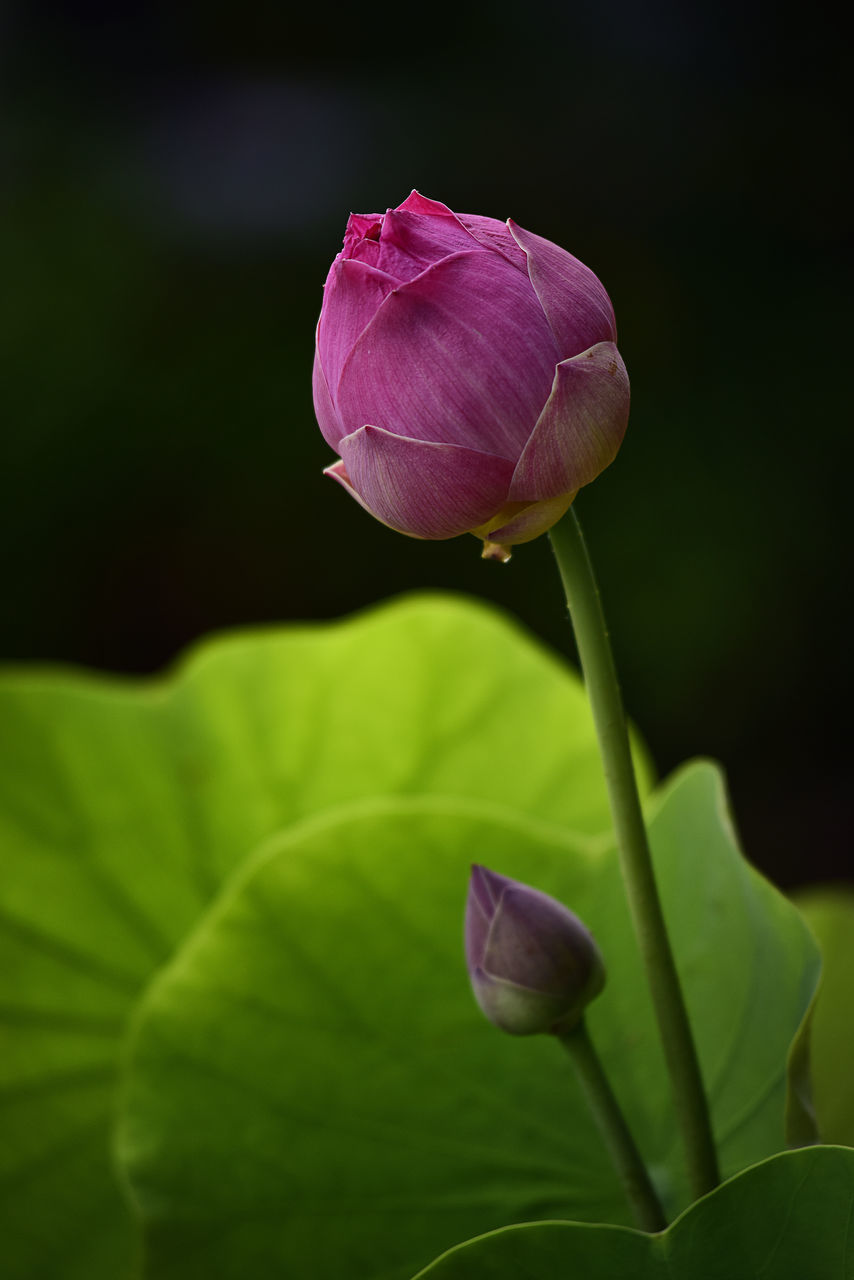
{"type": "Point", "coordinates": [311, 1085]}
{"type": "Point", "coordinates": [123, 805]}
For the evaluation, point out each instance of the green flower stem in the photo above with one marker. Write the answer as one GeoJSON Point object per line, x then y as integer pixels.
{"type": "Point", "coordinates": [612, 1125]}
{"type": "Point", "coordinates": [597, 665]}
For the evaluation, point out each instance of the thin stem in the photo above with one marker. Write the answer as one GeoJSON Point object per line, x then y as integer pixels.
{"type": "Point", "coordinates": [597, 664]}
{"type": "Point", "coordinates": [612, 1125]}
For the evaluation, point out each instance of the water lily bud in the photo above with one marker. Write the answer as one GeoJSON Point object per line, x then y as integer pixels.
{"type": "Point", "coordinates": [466, 373]}
{"type": "Point", "coordinates": [534, 966]}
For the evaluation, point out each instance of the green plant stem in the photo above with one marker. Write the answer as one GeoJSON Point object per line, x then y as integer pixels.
{"type": "Point", "coordinates": [612, 1125]}
{"type": "Point", "coordinates": [597, 664]}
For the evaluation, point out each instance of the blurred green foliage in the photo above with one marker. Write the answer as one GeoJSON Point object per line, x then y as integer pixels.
{"type": "Point", "coordinates": [829, 912]}
{"type": "Point", "coordinates": [233, 997]}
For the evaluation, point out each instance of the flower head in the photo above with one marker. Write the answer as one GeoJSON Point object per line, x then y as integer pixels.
{"type": "Point", "coordinates": [466, 373]}
{"type": "Point", "coordinates": [534, 966]}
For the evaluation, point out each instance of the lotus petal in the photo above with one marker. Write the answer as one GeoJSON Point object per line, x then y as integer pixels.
{"type": "Point", "coordinates": [580, 429]}
{"type": "Point", "coordinates": [460, 355]}
{"type": "Point", "coordinates": [327, 418]}
{"type": "Point", "coordinates": [424, 489]}
{"type": "Point", "coordinates": [577, 307]}
{"type": "Point", "coordinates": [353, 292]}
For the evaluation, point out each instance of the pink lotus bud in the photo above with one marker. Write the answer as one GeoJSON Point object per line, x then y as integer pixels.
{"type": "Point", "coordinates": [466, 373]}
{"type": "Point", "coordinates": [534, 966]}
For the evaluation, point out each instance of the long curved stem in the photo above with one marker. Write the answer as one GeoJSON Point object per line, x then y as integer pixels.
{"type": "Point", "coordinates": [615, 1131]}
{"type": "Point", "coordinates": [600, 675]}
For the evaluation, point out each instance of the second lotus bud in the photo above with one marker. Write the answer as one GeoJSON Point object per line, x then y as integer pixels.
{"type": "Point", "coordinates": [533, 965]}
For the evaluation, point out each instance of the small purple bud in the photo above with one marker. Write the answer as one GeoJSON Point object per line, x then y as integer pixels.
{"type": "Point", "coordinates": [533, 965]}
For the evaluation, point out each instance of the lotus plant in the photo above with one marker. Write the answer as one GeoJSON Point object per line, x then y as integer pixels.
{"type": "Point", "coordinates": [467, 375]}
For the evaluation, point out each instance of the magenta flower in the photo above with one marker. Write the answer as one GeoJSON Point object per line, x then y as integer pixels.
{"type": "Point", "coordinates": [533, 965]}
{"type": "Point", "coordinates": [466, 373]}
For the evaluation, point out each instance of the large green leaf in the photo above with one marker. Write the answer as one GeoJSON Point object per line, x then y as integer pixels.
{"type": "Point", "coordinates": [829, 911]}
{"type": "Point", "coordinates": [312, 1091]}
{"type": "Point", "coordinates": [124, 804]}
{"type": "Point", "coordinates": [788, 1218]}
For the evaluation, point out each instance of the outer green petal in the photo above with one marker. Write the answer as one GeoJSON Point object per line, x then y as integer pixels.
{"type": "Point", "coordinates": [523, 522]}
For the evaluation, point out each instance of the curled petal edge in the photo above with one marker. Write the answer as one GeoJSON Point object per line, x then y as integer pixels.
{"type": "Point", "coordinates": [575, 301]}
{"type": "Point", "coordinates": [338, 471]}
{"type": "Point", "coordinates": [353, 293]}
{"type": "Point", "coordinates": [426, 490]}
{"type": "Point", "coordinates": [327, 418]}
{"type": "Point", "coordinates": [416, 203]}
{"type": "Point", "coordinates": [580, 428]}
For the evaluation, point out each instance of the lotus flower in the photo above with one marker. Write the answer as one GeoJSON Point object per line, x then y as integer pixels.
{"type": "Point", "coordinates": [534, 966]}
{"type": "Point", "coordinates": [466, 374]}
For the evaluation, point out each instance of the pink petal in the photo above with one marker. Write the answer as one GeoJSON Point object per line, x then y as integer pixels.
{"type": "Point", "coordinates": [427, 490]}
{"type": "Point", "coordinates": [362, 226]}
{"type": "Point", "coordinates": [580, 429]}
{"type": "Point", "coordinates": [352, 294]}
{"type": "Point", "coordinates": [416, 203]}
{"type": "Point", "coordinates": [412, 242]}
{"type": "Point", "coordinates": [495, 235]}
{"type": "Point", "coordinates": [337, 471]}
{"type": "Point", "coordinates": [367, 251]}
{"type": "Point", "coordinates": [574, 300]}
{"type": "Point", "coordinates": [461, 355]}
{"type": "Point", "coordinates": [488, 232]}
{"type": "Point", "coordinates": [363, 229]}
{"type": "Point", "coordinates": [327, 418]}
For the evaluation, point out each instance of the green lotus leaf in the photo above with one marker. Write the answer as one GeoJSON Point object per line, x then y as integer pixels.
{"type": "Point", "coordinates": [311, 1087]}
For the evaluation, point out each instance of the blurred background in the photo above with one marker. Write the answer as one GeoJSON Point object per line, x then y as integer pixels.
{"type": "Point", "coordinates": [175, 182]}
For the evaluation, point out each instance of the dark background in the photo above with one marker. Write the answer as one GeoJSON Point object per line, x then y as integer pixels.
{"type": "Point", "coordinates": [175, 182]}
